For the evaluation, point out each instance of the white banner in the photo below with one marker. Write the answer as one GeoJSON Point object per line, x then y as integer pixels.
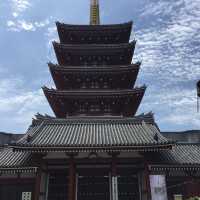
{"type": "Point", "coordinates": [158, 187]}
{"type": "Point", "coordinates": [114, 188]}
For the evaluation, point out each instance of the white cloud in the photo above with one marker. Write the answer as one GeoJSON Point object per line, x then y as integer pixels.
{"type": "Point", "coordinates": [173, 107]}
{"type": "Point", "coordinates": [19, 6]}
{"type": "Point", "coordinates": [22, 25]}
{"type": "Point", "coordinates": [42, 23]}
{"type": "Point", "coordinates": [14, 14]}
{"type": "Point", "coordinates": [51, 36]}
{"type": "Point", "coordinates": [18, 105]}
{"type": "Point", "coordinates": [10, 23]}
{"type": "Point", "coordinates": [171, 48]}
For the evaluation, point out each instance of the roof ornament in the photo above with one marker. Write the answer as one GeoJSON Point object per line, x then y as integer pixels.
{"type": "Point", "coordinates": [94, 12]}
{"type": "Point", "coordinates": [156, 138]}
{"type": "Point", "coordinates": [198, 95]}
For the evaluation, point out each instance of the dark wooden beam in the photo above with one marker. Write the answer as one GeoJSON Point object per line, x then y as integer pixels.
{"type": "Point", "coordinates": [9, 181]}
{"type": "Point", "coordinates": [114, 166]}
{"type": "Point", "coordinates": [147, 181]}
{"type": "Point", "coordinates": [37, 184]}
{"type": "Point", "coordinates": [72, 179]}
{"type": "Point", "coordinates": [38, 160]}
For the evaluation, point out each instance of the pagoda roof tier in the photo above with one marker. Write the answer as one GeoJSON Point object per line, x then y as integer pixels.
{"type": "Point", "coordinates": [96, 34]}
{"type": "Point", "coordinates": [94, 77]}
{"type": "Point", "coordinates": [94, 54]}
{"type": "Point", "coordinates": [94, 102]}
{"type": "Point", "coordinates": [93, 135]}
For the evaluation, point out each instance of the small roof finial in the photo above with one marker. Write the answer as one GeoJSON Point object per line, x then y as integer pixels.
{"type": "Point", "coordinates": [94, 12]}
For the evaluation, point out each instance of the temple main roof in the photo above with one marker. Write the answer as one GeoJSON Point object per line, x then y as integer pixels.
{"type": "Point", "coordinates": [95, 34]}
{"type": "Point", "coordinates": [89, 134]}
{"type": "Point", "coordinates": [181, 158]}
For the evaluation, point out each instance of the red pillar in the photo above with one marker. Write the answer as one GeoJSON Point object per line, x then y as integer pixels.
{"type": "Point", "coordinates": [114, 166]}
{"type": "Point", "coordinates": [147, 181]}
{"type": "Point", "coordinates": [71, 180]}
{"type": "Point", "coordinates": [38, 184]}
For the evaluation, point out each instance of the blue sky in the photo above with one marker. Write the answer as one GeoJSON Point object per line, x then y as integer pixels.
{"type": "Point", "coordinates": [168, 44]}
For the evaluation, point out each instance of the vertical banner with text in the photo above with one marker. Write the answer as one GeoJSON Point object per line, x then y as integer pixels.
{"type": "Point", "coordinates": [158, 187]}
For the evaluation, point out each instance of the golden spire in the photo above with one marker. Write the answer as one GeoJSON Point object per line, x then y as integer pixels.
{"type": "Point", "coordinates": [94, 12]}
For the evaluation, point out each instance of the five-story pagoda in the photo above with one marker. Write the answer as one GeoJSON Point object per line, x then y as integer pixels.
{"type": "Point", "coordinates": [95, 76]}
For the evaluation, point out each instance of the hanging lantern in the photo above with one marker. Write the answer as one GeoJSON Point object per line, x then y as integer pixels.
{"type": "Point", "coordinates": [198, 88]}
{"type": "Point", "coordinates": [198, 94]}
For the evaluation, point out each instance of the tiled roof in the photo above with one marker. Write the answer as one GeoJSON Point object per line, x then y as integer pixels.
{"type": "Point", "coordinates": [96, 69]}
{"type": "Point", "coordinates": [92, 47]}
{"type": "Point", "coordinates": [14, 162]}
{"type": "Point", "coordinates": [95, 27]}
{"type": "Point", "coordinates": [181, 156]}
{"type": "Point", "coordinates": [96, 93]}
{"type": "Point", "coordinates": [88, 134]}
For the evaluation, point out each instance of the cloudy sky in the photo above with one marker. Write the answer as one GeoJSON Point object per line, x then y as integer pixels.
{"type": "Point", "coordinates": [168, 44]}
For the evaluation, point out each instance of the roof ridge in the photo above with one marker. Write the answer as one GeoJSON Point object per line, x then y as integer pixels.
{"type": "Point", "coordinates": [135, 65]}
{"type": "Point", "coordinates": [75, 46]}
{"type": "Point", "coordinates": [128, 23]}
{"type": "Point", "coordinates": [89, 120]}
{"type": "Point", "coordinates": [28, 136]}
{"type": "Point", "coordinates": [98, 92]}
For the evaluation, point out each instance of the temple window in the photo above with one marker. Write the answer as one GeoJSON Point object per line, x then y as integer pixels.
{"type": "Point", "coordinates": [66, 78]}
{"type": "Point", "coordinates": [82, 108]}
{"type": "Point", "coordinates": [94, 108]}
{"type": "Point", "coordinates": [105, 85]}
{"type": "Point", "coordinates": [123, 78]}
{"type": "Point", "coordinates": [121, 57]}
{"type": "Point", "coordinates": [83, 86]}
{"type": "Point", "coordinates": [107, 108]}
{"type": "Point", "coordinates": [96, 84]}
{"type": "Point", "coordinates": [117, 38]}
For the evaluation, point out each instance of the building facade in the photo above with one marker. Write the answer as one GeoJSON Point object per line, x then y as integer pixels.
{"type": "Point", "coordinates": [96, 147]}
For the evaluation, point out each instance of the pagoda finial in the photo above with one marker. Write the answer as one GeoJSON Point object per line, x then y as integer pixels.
{"type": "Point", "coordinates": [94, 12]}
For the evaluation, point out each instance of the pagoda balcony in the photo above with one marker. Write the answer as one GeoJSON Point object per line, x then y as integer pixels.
{"type": "Point", "coordinates": [94, 54]}
{"type": "Point", "coordinates": [94, 103]}
{"type": "Point", "coordinates": [96, 34]}
{"type": "Point", "coordinates": [94, 77]}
